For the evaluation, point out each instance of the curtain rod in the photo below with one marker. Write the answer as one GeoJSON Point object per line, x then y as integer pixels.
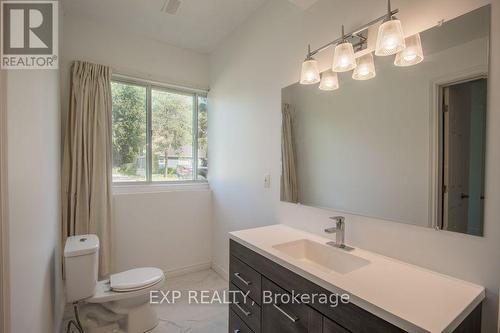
{"type": "Point", "coordinates": [160, 84]}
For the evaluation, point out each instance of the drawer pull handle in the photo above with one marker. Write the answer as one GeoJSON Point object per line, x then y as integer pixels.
{"type": "Point", "coordinates": [245, 312]}
{"type": "Point", "coordinates": [238, 275]}
{"type": "Point", "coordinates": [289, 316]}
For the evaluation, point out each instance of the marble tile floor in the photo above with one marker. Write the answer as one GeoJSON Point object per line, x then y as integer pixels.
{"type": "Point", "coordinates": [183, 317]}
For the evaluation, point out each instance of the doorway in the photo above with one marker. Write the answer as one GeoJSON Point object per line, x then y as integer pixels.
{"type": "Point", "coordinates": [462, 136]}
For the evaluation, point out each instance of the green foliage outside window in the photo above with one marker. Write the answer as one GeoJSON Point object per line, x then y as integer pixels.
{"type": "Point", "coordinates": [172, 132]}
{"type": "Point", "coordinates": [129, 126]}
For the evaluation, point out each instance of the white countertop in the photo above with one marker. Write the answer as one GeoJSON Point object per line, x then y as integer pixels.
{"type": "Point", "coordinates": [413, 298]}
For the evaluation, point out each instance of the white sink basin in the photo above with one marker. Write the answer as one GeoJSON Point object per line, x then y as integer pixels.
{"type": "Point", "coordinates": [321, 256]}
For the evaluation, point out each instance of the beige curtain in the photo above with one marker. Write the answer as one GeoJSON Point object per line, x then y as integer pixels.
{"type": "Point", "coordinates": [289, 187]}
{"type": "Point", "coordinates": [86, 174]}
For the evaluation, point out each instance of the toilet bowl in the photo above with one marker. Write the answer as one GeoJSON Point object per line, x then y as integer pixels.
{"type": "Point", "coordinates": [127, 294]}
{"type": "Point", "coordinates": [124, 297]}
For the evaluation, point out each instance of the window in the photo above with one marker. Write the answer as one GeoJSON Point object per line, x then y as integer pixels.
{"type": "Point", "coordinates": [129, 132]}
{"type": "Point", "coordinates": [159, 134]}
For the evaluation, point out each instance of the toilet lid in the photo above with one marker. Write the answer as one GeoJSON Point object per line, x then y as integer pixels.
{"type": "Point", "coordinates": [136, 278]}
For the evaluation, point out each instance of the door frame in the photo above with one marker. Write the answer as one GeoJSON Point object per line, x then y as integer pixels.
{"type": "Point", "coordinates": [435, 122]}
{"type": "Point", "coordinates": [4, 225]}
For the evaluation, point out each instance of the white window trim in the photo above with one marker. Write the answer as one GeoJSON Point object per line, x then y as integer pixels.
{"type": "Point", "coordinates": [149, 185]}
{"type": "Point", "coordinates": [160, 188]}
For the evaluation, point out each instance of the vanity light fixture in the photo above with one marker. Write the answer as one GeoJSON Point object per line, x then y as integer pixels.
{"type": "Point", "coordinates": [310, 71]}
{"type": "Point", "coordinates": [412, 54]}
{"type": "Point", "coordinates": [329, 81]}
{"type": "Point", "coordinates": [343, 57]}
{"type": "Point", "coordinates": [365, 68]}
{"type": "Point", "coordinates": [390, 39]}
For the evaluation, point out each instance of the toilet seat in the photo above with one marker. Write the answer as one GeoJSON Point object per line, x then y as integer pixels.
{"type": "Point", "coordinates": [135, 279]}
{"type": "Point", "coordinates": [104, 293]}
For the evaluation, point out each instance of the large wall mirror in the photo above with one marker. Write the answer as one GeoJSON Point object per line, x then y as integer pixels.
{"type": "Point", "coordinates": [407, 145]}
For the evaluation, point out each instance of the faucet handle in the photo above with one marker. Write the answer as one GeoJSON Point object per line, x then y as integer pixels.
{"type": "Point", "coordinates": [340, 220]}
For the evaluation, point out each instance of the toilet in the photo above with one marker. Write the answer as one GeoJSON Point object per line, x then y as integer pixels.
{"type": "Point", "coordinates": [122, 300]}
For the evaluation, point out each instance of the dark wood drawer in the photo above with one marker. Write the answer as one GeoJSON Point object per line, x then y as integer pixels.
{"type": "Point", "coordinates": [332, 327]}
{"type": "Point", "coordinates": [236, 325]}
{"type": "Point", "coordinates": [245, 278]}
{"type": "Point", "coordinates": [289, 318]}
{"type": "Point", "coordinates": [248, 311]}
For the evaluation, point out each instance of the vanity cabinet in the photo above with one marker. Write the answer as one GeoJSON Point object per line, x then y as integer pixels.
{"type": "Point", "coordinates": [237, 325]}
{"type": "Point", "coordinates": [293, 318]}
{"type": "Point", "coordinates": [255, 274]}
{"type": "Point", "coordinates": [246, 279]}
{"type": "Point", "coordinates": [332, 327]}
{"type": "Point", "coordinates": [247, 309]}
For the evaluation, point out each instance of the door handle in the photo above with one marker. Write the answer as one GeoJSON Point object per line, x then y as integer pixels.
{"type": "Point", "coordinates": [245, 312]}
{"type": "Point", "coordinates": [292, 317]}
{"type": "Point", "coordinates": [238, 275]}
{"type": "Point", "coordinates": [464, 196]}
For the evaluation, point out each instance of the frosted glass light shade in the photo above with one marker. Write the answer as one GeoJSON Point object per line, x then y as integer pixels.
{"type": "Point", "coordinates": [343, 58]}
{"type": "Point", "coordinates": [365, 68]}
{"type": "Point", "coordinates": [329, 81]}
{"type": "Point", "coordinates": [412, 54]}
{"type": "Point", "coordinates": [310, 72]}
{"type": "Point", "coordinates": [390, 39]}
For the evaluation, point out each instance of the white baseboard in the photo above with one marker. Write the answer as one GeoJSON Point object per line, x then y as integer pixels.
{"type": "Point", "coordinates": [221, 271]}
{"type": "Point", "coordinates": [187, 269]}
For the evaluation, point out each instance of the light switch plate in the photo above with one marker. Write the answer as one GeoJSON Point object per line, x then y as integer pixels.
{"type": "Point", "coordinates": [267, 181]}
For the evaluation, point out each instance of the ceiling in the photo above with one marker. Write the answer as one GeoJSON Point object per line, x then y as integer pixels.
{"type": "Point", "coordinates": [198, 25]}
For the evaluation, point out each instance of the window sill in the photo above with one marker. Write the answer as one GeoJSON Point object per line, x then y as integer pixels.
{"type": "Point", "coordinates": [159, 188]}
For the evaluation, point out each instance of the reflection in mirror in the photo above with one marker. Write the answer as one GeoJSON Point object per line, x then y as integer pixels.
{"type": "Point", "coordinates": [462, 138]}
{"type": "Point", "coordinates": [407, 145]}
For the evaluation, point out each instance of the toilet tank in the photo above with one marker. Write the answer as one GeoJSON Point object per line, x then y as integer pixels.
{"type": "Point", "coordinates": [81, 262]}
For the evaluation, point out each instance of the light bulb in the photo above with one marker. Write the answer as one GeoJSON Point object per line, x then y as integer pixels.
{"type": "Point", "coordinates": [363, 71]}
{"type": "Point", "coordinates": [310, 72]}
{"type": "Point", "coordinates": [344, 62]}
{"type": "Point", "coordinates": [365, 68]}
{"type": "Point", "coordinates": [409, 56]}
{"type": "Point", "coordinates": [343, 58]}
{"type": "Point", "coordinates": [390, 39]}
{"type": "Point", "coordinates": [329, 81]}
{"type": "Point", "coordinates": [412, 54]}
{"type": "Point", "coordinates": [390, 43]}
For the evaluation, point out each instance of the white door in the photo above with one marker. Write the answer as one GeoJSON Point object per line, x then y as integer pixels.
{"type": "Point", "coordinates": [463, 155]}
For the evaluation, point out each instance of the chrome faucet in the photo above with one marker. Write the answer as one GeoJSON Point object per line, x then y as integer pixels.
{"type": "Point", "coordinates": [339, 231]}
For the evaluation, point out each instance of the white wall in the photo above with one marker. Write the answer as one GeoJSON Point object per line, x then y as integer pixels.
{"type": "Point", "coordinates": [33, 164]}
{"type": "Point", "coordinates": [247, 73]}
{"type": "Point", "coordinates": [167, 229]}
{"type": "Point", "coordinates": [33, 189]}
{"type": "Point", "coordinates": [127, 54]}
{"type": "Point", "coordinates": [131, 54]}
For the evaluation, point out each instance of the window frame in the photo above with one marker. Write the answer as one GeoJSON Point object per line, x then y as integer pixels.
{"type": "Point", "coordinates": [154, 85]}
